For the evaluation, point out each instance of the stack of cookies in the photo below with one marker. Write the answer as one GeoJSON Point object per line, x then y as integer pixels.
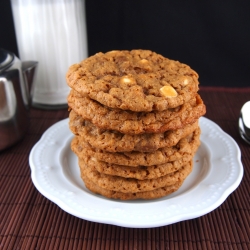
{"type": "Point", "coordinates": [135, 117]}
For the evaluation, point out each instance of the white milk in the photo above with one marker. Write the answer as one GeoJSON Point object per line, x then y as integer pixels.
{"type": "Point", "coordinates": [52, 32]}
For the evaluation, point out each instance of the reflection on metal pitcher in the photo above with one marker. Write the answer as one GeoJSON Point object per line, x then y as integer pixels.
{"type": "Point", "coordinates": [16, 85]}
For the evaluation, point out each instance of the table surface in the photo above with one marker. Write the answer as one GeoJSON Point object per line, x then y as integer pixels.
{"type": "Point", "coordinates": [31, 221]}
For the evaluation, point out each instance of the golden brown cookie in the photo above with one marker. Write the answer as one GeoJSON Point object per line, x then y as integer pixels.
{"type": "Point", "coordinates": [137, 80]}
{"type": "Point", "coordinates": [113, 141]}
{"type": "Point", "coordinates": [147, 195]}
{"type": "Point", "coordinates": [129, 122]}
{"type": "Point", "coordinates": [187, 145]}
{"type": "Point", "coordinates": [140, 172]}
{"type": "Point", "coordinates": [132, 185]}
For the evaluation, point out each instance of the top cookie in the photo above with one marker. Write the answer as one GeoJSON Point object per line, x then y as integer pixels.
{"type": "Point", "coordinates": [137, 80]}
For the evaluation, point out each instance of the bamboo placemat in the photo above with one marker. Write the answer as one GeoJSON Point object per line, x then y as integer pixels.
{"type": "Point", "coordinates": [31, 221]}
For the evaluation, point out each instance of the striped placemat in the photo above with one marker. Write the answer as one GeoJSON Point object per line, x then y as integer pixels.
{"type": "Point", "coordinates": [28, 220]}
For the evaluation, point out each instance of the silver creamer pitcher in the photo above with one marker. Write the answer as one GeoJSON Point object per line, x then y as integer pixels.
{"type": "Point", "coordinates": [16, 84]}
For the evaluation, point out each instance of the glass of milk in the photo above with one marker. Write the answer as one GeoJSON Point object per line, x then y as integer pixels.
{"type": "Point", "coordinates": [52, 32]}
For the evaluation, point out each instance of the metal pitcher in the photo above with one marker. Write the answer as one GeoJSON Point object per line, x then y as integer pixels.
{"type": "Point", "coordinates": [16, 87]}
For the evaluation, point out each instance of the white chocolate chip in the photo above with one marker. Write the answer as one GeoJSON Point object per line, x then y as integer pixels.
{"type": "Point", "coordinates": [168, 91]}
{"type": "Point", "coordinates": [127, 80]}
{"type": "Point", "coordinates": [93, 159]}
{"type": "Point", "coordinates": [185, 82]}
{"type": "Point", "coordinates": [144, 64]}
{"type": "Point", "coordinates": [143, 61]}
{"type": "Point", "coordinates": [112, 51]}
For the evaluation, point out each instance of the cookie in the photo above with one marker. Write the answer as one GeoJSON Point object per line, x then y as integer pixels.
{"type": "Point", "coordinates": [140, 172]}
{"type": "Point", "coordinates": [137, 80]}
{"type": "Point", "coordinates": [147, 195]}
{"type": "Point", "coordinates": [113, 141]}
{"type": "Point", "coordinates": [128, 185]}
{"type": "Point", "coordinates": [128, 122]}
{"type": "Point", "coordinates": [187, 145]}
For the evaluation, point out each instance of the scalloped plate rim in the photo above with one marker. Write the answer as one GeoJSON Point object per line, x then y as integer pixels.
{"type": "Point", "coordinates": [120, 220]}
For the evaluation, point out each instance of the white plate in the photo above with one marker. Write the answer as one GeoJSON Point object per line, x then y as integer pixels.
{"type": "Point", "coordinates": [217, 172]}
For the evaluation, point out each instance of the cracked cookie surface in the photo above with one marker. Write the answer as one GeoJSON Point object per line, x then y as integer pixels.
{"type": "Point", "coordinates": [131, 185]}
{"type": "Point", "coordinates": [187, 145]}
{"type": "Point", "coordinates": [114, 141]}
{"type": "Point", "coordinates": [140, 172]}
{"type": "Point", "coordinates": [137, 80]}
{"type": "Point", "coordinates": [146, 195]}
{"type": "Point", "coordinates": [129, 122]}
